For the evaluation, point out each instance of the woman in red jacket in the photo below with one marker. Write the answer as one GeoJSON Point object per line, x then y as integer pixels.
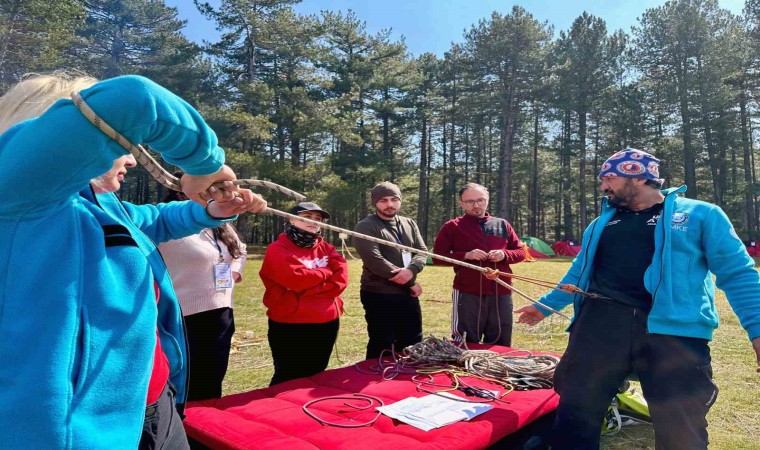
{"type": "Point", "coordinates": [303, 276]}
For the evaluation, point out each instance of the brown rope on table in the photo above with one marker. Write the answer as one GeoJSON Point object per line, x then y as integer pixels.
{"type": "Point", "coordinates": [523, 372]}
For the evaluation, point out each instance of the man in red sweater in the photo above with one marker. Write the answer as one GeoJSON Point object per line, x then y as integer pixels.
{"type": "Point", "coordinates": [482, 309]}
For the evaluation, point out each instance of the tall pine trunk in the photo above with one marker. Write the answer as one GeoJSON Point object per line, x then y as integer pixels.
{"type": "Point", "coordinates": [533, 191]}
{"type": "Point", "coordinates": [689, 163]}
{"type": "Point", "coordinates": [422, 200]}
{"type": "Point", "coordinates": [583, 216]}
{"type": "Point", "coordinates": [749, 204]}
{"type": "Point", "coordinates": [506, 153]}
{"type": "Point", "coordinates": [567, 213]}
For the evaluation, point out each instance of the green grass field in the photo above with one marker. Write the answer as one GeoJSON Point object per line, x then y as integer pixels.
{"type": "Point", "coordinates": [734, 419]}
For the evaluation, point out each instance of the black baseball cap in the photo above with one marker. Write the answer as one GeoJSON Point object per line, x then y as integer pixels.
{"type": "Point", "coordinates": [309, 206]}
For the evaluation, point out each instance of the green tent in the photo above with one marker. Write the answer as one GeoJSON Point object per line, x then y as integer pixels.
{"type": "Point", "coordinates": [538, 244]}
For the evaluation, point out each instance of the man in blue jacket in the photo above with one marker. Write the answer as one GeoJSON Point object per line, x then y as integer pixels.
{"type": "Point", "coordinates": [649, 259]}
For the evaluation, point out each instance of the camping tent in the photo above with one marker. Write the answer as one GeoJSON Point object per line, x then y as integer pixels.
{"type": "Point", "coordinates": [566, 248]}
{"type": "Point", "coordinates": [538, 246]}
{"type": "Point", "coordinates": [535, 254]}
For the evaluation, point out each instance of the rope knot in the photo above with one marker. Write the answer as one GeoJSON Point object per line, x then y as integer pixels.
{"type": "Point", "coordinates": [570, 288]}
{"type": "Point", "coordinates": [491, 274]}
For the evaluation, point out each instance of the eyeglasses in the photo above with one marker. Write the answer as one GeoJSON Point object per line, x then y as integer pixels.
{"type": "Point", "coordinates": [478, 201]}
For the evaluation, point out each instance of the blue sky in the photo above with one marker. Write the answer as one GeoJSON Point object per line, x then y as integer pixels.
{"type": "Point", "coordinates": [432, 25]}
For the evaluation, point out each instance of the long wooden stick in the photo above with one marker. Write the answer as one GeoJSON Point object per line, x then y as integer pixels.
{"type": "Point", "coordinates": [412, 250]}
{"type": "Point", "coordinates": [170, 181]}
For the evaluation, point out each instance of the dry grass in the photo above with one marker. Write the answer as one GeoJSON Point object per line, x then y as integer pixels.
{"type": "Point", "coordinates": [734, 420]}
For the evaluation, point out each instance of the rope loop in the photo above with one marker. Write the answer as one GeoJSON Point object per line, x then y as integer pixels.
{"type": "Point", "coordinates": [369, 401]}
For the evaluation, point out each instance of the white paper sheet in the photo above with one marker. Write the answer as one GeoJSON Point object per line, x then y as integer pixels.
{"type": "Point", "coordinates": [433, 411]}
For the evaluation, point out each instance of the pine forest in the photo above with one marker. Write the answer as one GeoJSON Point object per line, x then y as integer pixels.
{"type": "Point", "coordinates": [320, 105]}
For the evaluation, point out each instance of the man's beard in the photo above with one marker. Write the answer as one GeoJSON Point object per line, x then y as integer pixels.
{"type": "Point", "coordinates": [392, 212]}
{"type": "Point", "coordinates": [477, 213]}
{"type": "Point", "coordinates": [623, 197]}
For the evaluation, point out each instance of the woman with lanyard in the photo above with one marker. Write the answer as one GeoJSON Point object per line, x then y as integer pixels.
{"type": "Point", "coordinates": [204, 268]}
{"type": "Point", "coordinates": [304, 277]}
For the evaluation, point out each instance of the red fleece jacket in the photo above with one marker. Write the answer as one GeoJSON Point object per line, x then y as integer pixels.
{"type": "Point", "coordinates": [303, 285]}
{"type": "Point", "coordinates": [462, 234]}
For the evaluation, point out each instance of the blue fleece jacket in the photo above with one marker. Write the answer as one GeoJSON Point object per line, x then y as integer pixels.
{"type": "Point", "coordinates": [78, 315]}
{"type": "Point", "coordinates": [692, 240]}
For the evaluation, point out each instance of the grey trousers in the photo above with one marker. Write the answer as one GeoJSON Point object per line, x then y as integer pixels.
{"type": "Point", "coordinates": [486, 318]}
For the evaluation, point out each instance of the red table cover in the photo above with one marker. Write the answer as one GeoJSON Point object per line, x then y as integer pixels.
{"type": "Point", "coordinates": [272, 418]}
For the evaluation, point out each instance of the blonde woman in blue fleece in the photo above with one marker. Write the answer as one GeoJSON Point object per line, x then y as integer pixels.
{"type": "Point", "coordinates": [650, 257]}
{"type": "Point", "coordinates": [87, 345]}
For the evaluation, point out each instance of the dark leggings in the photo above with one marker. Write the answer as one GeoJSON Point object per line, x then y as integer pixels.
{"type": "Point", "coordinates": [300, 349]}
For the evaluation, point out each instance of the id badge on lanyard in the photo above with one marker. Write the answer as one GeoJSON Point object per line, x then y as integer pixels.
{"type": "Point", "coordinates": [222, 270]}
{"type": "Point", "coordinates": [222, 275]}
{"type": "Point", "coordinates": [406, 257]}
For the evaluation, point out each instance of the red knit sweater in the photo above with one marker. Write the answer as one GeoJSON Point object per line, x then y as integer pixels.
{"type": "Point", "coordinates": [462, 234]}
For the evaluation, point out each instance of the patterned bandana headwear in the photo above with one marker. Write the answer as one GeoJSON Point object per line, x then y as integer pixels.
{"type": "Point", "coordinates": [632, 163]}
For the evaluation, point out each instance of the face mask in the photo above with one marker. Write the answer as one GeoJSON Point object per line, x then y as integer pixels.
{"type": "Point", "coordinates": [301, 238]}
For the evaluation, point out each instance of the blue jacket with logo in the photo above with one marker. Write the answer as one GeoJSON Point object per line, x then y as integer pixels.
{"type": "Point", "coordinates": [692, 240]}
{"type": "Point", "coordinates": [78, 272]}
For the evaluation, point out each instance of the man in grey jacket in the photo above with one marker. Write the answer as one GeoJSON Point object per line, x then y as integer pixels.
{"type": "Point", "coordinates": [389, 291]}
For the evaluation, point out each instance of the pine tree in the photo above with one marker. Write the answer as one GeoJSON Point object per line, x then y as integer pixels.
{"type": "Point", "coordinates": [33, 33]}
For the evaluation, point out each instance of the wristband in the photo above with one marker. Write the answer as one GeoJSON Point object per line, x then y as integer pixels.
{"type": "Point", "coordinates": [208, 203]}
